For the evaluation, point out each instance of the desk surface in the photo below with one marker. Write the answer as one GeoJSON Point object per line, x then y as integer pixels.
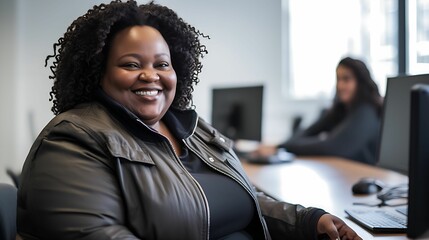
{"type": "Point", "coordinates": [322, 182]}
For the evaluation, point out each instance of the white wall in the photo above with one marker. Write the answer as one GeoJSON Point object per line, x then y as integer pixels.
{"type": "Point", "coordinates": [245, 49]}
{"type": "Point", "coordinates": [7, 86]}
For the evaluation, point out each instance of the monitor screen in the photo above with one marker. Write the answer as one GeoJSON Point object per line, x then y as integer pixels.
{"type": "Point", "coordinates": [237, 112]}
{"type": "Point", "coordinates": [418, 197]}
{"type": "Point", "coordinates": [394, 142]}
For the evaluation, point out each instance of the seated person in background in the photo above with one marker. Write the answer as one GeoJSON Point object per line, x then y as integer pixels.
{"type": "Point", "coordinates": [127, 157]}
{"type": "Point", "coordinates": [350, 128]}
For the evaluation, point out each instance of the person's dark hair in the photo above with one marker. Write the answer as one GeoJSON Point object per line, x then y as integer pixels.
{"type": "Point", "coordinates": [367, 90]}
{"type": "Point", "coordinates": [80, 55]}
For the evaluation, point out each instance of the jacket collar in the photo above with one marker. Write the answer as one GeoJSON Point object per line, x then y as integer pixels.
{"type": "Point", "coordinates": [181, 123]}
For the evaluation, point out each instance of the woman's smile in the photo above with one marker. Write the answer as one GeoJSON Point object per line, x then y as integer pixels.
{"type": "Point", "coordinates": [148, 94]}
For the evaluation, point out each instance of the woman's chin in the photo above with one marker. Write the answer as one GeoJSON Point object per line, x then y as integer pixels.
{"type": "Point", "coordinates": [345, 99]}
{"type": "Point", "coordinates": [150, 119]}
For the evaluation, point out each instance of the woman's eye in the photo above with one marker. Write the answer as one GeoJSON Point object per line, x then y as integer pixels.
{"type": "Point", "coordinates": [131, 65]}
{"type": "Point", "coordinates": [163, 65]}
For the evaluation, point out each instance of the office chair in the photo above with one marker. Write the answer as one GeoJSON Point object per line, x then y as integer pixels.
{"type": "Point", "coordinates": [8, 196]}
{"type": "Point", "coordinates": [296, 124]}
{"type": "Point", "coordinates": [15, 177]}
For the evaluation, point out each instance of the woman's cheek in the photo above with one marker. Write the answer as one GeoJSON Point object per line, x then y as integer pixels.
{"type": "Point", "coordinates": [171, 79]}
{"type": "Point", "coordinates": [126, 80]}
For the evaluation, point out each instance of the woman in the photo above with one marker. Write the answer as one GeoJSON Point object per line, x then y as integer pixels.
{"type": "Point", "coordinates": [126, 157]}
{"type": "Point", "coordinates": [350, 129]}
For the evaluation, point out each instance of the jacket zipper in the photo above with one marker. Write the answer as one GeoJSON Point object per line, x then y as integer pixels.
{"type": "Point", "coordinates": [206, 202]}
{"type": "Point", "coordinates": [236, 180]}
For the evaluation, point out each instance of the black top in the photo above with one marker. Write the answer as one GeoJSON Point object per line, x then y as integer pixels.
{"type": "Point", "coordinates": [231, 207]}
{"type": "Point", "coordinates": [351, 134]}
{"type": "Point", "coordinates": [229, 216]}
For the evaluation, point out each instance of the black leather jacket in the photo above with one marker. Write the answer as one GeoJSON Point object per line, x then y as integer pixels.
{"type": "Point", "coordinates": [98, 172]}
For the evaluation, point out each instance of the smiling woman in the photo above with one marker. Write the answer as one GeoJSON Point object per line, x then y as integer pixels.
{"type": "Point", "coordinates": [80, 55]}
{"type": "Point", "coordinates": [127, 157]}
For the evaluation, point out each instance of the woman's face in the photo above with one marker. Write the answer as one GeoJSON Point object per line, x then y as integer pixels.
{"type": "Point", "coordinates": [139, 73]}
{"type": "Point", "coordinates": [346, 85]}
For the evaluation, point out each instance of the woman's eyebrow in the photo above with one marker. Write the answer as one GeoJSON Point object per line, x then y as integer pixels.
{"type": "Point", "coordinates": [162, 54]}
{"type": "Point", "coordinates": [136, 55]}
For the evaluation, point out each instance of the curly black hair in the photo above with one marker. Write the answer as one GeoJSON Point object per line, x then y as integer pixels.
{"type": "Point", "coordinates": [80, 56]}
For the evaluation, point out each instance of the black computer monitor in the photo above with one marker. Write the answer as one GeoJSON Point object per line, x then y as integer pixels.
{"type": "Point", "coordinates": [418, 195]}
{"type": "Point", "coordinates": [237, 112]}
{"type": "Point", "coordinates": [394, 142]}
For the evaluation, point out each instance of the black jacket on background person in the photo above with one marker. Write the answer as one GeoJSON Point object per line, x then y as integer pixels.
{"type": "Point", "coordinates": [98, 172]}
{"type": "Point", "coordinates": [352, 134]}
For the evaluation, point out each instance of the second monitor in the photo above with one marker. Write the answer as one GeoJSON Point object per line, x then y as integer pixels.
{"type": "Point", "coordinates": [394, 147]}
{"type": "Point", "coordinates": [237, 112]}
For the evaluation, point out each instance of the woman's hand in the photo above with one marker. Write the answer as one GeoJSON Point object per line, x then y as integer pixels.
{"type": "Point", "coordinates": [265, 150]}
{"type": "Point", "coordinates": [335, 228]}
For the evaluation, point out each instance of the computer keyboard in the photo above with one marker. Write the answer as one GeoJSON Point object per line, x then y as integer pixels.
{"type": "Point", "coordinates": [403, 210]}
{"type": "Point", "coordinates": [379, 220]}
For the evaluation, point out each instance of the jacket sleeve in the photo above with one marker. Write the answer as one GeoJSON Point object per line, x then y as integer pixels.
{"type": "Point", "coordinates": [289, 221]}
{"type": "Point", "coordinates": [69, 190]}
{"type": "Point", "coordinates": [344, 140]}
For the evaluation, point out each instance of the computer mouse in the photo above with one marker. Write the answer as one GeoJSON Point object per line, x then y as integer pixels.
{"type": "Point", "coordinates": [367, 186]}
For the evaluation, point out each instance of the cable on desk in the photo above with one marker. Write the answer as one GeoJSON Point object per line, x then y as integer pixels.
{"type": "Point", "coordinates": [393, 193]}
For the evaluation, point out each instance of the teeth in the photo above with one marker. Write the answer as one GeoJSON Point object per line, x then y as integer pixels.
{"type": "Point", "coordinates": [147, 93]}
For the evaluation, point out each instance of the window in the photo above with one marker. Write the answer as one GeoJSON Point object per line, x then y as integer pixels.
{"type": "Point", "coordinates": [320, 33]}
{"type": "Point", "coordinates": [418, 36]}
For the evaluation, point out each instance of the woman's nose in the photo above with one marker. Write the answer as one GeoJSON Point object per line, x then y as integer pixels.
{"type": "Point", "coordinates": [149, 76]}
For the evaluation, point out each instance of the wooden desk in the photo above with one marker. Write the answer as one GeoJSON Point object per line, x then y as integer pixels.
{"type": "Point", "coordinates": [322, 182]}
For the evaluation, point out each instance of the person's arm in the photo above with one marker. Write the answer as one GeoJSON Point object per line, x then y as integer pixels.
{"type": "Point", "coordinates": [69, 190]}
{"type": "Point", "coordinates": [291, 221]}
{"type": "Point", "coordinates": [344, 140]}
{"type": "Point", "coordinates": [324, 123]}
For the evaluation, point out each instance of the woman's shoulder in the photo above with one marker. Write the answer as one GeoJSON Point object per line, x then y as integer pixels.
{"type": "Point", "coordinates": [87, 115]}
{"type": "Point", "coordinates": [365, 114]}
{"type": "Point", "coordinates": [88, 118]}
{"type": "Point", "coordinates": [211, 135]}
{"type": "Point", "coordinates": [367, 109]}
{"type": "Point", "coordinates": [203, 127]}
{"type": "Point", "coordinates": [84, 112]}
